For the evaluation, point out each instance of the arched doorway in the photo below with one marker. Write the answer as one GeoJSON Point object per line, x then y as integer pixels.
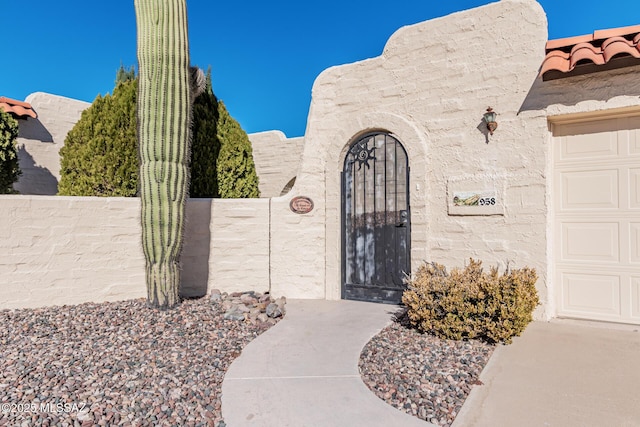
{"type": "Point", "coordinates": [376, 219]}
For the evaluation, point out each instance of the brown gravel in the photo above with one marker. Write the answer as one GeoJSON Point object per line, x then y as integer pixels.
{"type": "Point", "coordinates": [118, 363]}
{"type": "Point", "coordinates": [422, 375]}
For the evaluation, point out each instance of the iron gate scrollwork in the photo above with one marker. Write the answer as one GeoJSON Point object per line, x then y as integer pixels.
{"type": "Point", "coordinates": [376, 220]}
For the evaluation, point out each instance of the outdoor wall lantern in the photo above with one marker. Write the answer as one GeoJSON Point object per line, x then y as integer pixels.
{"type": "Point", "coordinates": [490, 119]}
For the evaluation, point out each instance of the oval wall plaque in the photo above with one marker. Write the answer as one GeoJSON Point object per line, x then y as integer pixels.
{"type": "Point", "coordinates": [301, 205]}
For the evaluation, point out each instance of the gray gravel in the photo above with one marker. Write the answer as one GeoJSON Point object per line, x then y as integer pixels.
{"type": "Point", "coordinates": [118, 363]}
{"type": "Point", "coordinates": [125, 364]}
{"type": "Point", "coordinates": [422, 375]}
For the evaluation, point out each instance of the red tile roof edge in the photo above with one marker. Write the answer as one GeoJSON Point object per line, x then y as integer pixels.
{"type": "Point", "coordinates": [17, 108]}
{"type": "Point", "coordinates": [594, 50]}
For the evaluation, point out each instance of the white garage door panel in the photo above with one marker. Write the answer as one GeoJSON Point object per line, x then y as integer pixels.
{"type": "Point", "coordinates": [634, 136]}
{"type": "Point", "coordinates": [589, 146]}
{"type": "Point", "coordinates": [634, 146]}
{"type": "Point", "coordinates": [590, 242]}
{"type": "Point", "coordinates": [597, 219]}
{"type": "Point", "coordinates": [634, 244]}
{"type": "Point", "coordinates": [635, 296]}
{"type": "Point", "coordinates": [588, 294]}
{"type": "Point", "coordinates": [634, 184]}
{"type": "Point", "coordinates": [590, 189]}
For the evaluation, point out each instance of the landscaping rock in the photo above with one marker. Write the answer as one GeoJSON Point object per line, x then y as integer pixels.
{"type": "Point", "coordinates": [215, 295]}
{"type": "Point", "coordinates": [234, 314]}
{"type": "Point", "coordinates": [251, 306]}
{"type": "Point", "coordinates": [126, 363]}
{"type": "Point", "coordinates": [420, 374]}
{"type": "Point", "coordinates": [274, 310]}
{"type": "Point", "coordinates": [248, 299]}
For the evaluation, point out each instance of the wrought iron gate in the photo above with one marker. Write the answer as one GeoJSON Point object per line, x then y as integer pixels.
{"type": "Point", "coordinates": [376, 220]}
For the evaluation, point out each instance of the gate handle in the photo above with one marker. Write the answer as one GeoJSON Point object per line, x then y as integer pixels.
{"type": "Point", "coordinates": [404, 218]}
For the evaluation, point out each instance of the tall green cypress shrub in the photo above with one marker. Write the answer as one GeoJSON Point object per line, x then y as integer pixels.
{"type": "Point", "coordinates": [99, 157]}
{"type": "Point", "coordinates": [9, 168]}
{"type": "Point", "coordinates": [205, 146]}
{"type": "Point", "coordinates": [124, 75]}
{"type": "Point", "coordinates": [237, 177]}
{"type": "Point", "coordinates": [222, 161]}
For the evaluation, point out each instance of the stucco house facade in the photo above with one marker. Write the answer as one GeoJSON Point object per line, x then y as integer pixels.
{"type": "Point", "coordinates": [397, 166]}
{"type": "Point", "coordinates": [557, 184]}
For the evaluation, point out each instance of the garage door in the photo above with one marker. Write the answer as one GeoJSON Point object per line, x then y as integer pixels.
{"type": "Point", "coordinates": [596, 198]}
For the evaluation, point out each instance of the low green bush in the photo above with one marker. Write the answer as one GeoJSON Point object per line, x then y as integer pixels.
{"type": "Point", "coordinates": [470, 303]}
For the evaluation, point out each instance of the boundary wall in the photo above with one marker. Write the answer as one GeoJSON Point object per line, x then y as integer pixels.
{"type": "Point", "coordinates": [70, 250]}
{"type": "Point", "coordinates": [277, 160]}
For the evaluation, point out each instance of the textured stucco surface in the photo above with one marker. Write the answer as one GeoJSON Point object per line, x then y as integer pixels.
{"type": "Point", "coordinates": [429, 88]}
{"type": "Point", "coordinates": [587, 94]}
{"type": "Point", "coordinates": [277, 159]}
{"type": "Point", "coordinates": [69, 250]}
{"type": "Point", "coordinates": [40, 141]}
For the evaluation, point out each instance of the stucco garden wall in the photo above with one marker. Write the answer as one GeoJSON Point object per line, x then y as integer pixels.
{"type": "Point", "coordinates": [277, 160]}
{"type": "Point", "coordinates": [40, 140]}
{"type": "Point", "coordinates": [69, 250]}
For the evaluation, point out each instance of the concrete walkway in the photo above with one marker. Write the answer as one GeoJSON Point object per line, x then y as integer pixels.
{"type": "Point", "coordinates": [560, 374]}
{"type": "Point", "coordinates": [304, 371]}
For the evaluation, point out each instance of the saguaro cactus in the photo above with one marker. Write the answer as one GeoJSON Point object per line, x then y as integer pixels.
{"type": "Point", "coordinates": [164, 117]}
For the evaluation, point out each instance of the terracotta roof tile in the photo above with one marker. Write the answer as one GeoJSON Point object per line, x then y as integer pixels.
{"type": "Point", "coordinates": [619, 45]}
{"type": "Point", "coordinates": [603, 50]}
{"type": "Point", "coordinates": [19, 109]}
{"type": "Point", "coordinates": [585, 52]}
{"type": "Point", "coordinates": [613, 32]}
{"type": "Point", "coordinates": [569, 41]}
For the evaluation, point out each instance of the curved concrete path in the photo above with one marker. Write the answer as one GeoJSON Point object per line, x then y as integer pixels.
{"type": "Point", "coordinates": [304, 371]}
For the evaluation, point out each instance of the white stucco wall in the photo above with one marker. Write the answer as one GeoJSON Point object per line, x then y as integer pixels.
{"type": "Point", "coordinates": [69, 250]}
{"type": "Point", "coordinates": [277, 160]}
{"type": "Point", "coordinates": [40, 140]}
{"type": "Point", "coordinates": [430, 88]}
{"type": "Point", "coordinates": [605, 92]}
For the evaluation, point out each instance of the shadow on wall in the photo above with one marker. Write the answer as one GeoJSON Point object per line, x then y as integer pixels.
{"type": "Point", "coordinates": [35, 179]}
{"type": "Point", "coordinates": [196, 249]}
{"type": "Point", "coordinates": [288, 187]}
{"type": "Point", "coordinates": [589, 87]}
{"type": "Point", "coordinates": [33, 129]}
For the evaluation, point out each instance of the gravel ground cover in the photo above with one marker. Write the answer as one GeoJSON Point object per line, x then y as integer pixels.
{"type": "Point", "coordinates": [422, 375]}
{"type": "Point", "coordinates": [125, 364]}
{"type": "Point", "coordinates": [118, 363]}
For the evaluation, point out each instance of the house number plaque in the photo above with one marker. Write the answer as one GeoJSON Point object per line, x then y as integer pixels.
{"type": "Point", "coordinates": [301, 205]}
{"type": "Point", "coordinates": [475, 198]}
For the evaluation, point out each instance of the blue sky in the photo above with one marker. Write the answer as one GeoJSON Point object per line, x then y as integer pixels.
{"type": "Point", "coordinates": [264, 56]}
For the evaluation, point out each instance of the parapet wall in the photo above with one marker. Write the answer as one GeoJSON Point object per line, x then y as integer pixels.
{"type": "Point", "coordinates": [70, 250]}
{"type": "Point", "coordinates": [277, 159]}
{"type": "Point", "coordinates": [40, 141]}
